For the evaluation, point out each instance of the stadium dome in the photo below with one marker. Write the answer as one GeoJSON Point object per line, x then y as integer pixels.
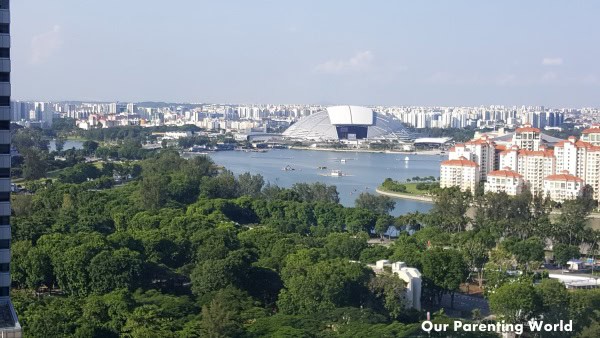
{"type": "Point", "coordinates": [347, 123]}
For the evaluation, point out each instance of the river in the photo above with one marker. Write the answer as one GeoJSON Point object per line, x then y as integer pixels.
{"type": "Point", "coordinates": [69, 144]}
{"type": "Point", "coordinates": [365, 171]}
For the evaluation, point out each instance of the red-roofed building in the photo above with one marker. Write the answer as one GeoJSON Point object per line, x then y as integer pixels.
{"type": "Point", "coordinates": [592, 135]}
{"type": "Point", "coordinates": [534, 166]}
{"type": "Point", "coordinates": [505, 180]}
{"type": "Point", "coordinates": [563, 186]}
{"type": "Point", "coordinates": [461, 172]}
{"type": "Point", "coordinates": [481, 151]}
{"type": "Point", "coordinates": [527, 138]}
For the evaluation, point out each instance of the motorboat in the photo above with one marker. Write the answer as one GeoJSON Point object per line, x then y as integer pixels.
{"type": "Point", "coordinates": [337, 173]}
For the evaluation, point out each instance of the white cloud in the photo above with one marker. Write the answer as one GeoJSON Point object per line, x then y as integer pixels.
{"type": "Point", "coordinates": [359, 62]}
{"type": "Point", "coordinates": [552, 61]}
{"type": "Point", "coordinates": [44, 45]}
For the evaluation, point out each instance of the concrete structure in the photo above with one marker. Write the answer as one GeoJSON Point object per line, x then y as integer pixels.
{"type": "Point", "coordinates": [410, 276]}
{"type": "Point", "coordinates": [9, 323]}
{"type": "Point", "coordinates": [563, 186]}
{"type": "Point", "coordinates": [347, 123]}
{"type": "Point", "coordinates": [504, 180]}
{"type": "Point", "coordinates": [461, 173]}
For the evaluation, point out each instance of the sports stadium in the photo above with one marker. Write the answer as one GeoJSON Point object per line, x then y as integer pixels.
{"type": "Point", "coordinates": [347, 123]}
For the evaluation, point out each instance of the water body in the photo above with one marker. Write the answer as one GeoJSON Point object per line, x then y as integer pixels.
{"type": "Point", "coordinates": [69, 144]}
{"type": "Point", "coordinates": [365, 171]}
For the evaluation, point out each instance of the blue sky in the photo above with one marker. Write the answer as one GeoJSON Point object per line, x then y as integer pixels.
{"type": "Point", "coordinates": [336, 51]}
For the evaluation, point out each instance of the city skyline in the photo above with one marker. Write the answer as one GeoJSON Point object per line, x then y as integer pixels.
{"type": "Point", "coordinates": [464, 53]}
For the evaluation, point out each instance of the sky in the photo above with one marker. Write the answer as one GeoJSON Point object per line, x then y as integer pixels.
{"type": "Point", "coordinates": [430, 53]}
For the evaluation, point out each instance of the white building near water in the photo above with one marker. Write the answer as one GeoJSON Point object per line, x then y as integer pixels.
{"type": "Point", "coordinates": [505, 180]}
{"type": "Point", "coordinates": [558, 169]}
{"type": "Point", "coordinates": [461, 173]}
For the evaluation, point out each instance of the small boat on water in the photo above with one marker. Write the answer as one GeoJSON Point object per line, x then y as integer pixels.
{"type": "Point", "coordinates": [343, 160]}
{"type": "Point", "coordinates": [288, 168]}
{"type": "Point", "coordinates": [336, 173]}
{"type": "Point", "coordinates": [407, 158]}
{"type": "Point", "coordinates": [322, 168]}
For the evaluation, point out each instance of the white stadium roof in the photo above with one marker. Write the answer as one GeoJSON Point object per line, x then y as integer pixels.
{"type": "Point", "coordinates": [431, 140]}
{"type": "Point", "coordinates": [328, 124]}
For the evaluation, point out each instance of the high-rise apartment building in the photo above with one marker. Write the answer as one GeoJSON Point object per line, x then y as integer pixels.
{"type": "Point", "coordinates": [9, 325]}
{"type": "Point", "coordinates": [526, 160]}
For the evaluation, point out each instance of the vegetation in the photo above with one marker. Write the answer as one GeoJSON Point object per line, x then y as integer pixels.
{"type": "Point", "coordinates": [186, 249]}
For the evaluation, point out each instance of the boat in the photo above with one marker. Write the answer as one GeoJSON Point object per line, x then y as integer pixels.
{"type": "Point", "coordinates": [343, 160]}
{"type": "Point", "coordinates": [288, 168]}
{"type": "Point", "coordinates": [336, 173]}
{"type": "Point", "coordinates": [322, 168]}
{"type": "Point", "coordinates": [407, 158]}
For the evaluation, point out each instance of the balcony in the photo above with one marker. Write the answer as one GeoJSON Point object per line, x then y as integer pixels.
{"type": "Point", "coordinates": [4, 208]}
{"type": "Point", "coordinates": [4, 256]}
{"type": "Point", "coordinates": [5, 232]}
{"type": "Point", "coordinates": [4, 279]}
{"type": "Point", "coordinates": [4, 16]}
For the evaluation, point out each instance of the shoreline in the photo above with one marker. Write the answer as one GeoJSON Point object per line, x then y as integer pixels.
{"type": "Point", "coordinates": [420, 198]}
{"type": "Point", "coordinates": [391, 152]}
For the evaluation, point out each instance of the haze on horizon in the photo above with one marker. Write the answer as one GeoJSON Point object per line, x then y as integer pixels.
{"type": "Point", "coordinates": [339, 51]}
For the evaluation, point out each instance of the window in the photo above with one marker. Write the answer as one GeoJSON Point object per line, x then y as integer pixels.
{"type": "Point", "coordinates": [4, 28]}
{"type": "Point", "coordinates": [4, 172]}
{"type": "Point", "coordinates": [4, 220]}
{"type": "Point", "coordinates": [4, 125]}
{"type": "Point", "coordinates": [5, 267]}
{"type": "Point", "coordinates": [4, 196]}
{"type": "Point", "coordinates": [4, 4]}
{"type": "Point", "coordinates": [4, 101]}
{"type": "Point", "coordinates": [4, 77]}
{"type": "Point", "coordinates": [4, 149]}
{"type": "Point", "coordinates": [4, 244]}
{"type": "Point", "coordinates": [4, 291]}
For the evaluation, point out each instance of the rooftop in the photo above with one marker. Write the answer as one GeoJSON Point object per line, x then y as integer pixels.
{"type": "Point", "coordinates": [564, 177]}
{"type": "Point", "coordinates": [461, 162]}
{"type": "Point", "coordinates": [504, 173]}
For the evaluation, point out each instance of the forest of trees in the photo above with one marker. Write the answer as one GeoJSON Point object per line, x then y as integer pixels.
{"type": "Point", "coordinates": [189, 250]}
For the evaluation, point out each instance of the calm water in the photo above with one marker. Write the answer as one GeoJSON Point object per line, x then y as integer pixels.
{"type": "Point", "coordinates": [68, 145]}
{"type": "Point", "coordinates": [366, 171]}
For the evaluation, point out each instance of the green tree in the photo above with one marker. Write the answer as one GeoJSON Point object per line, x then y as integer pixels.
{"type": "Point", "coordinates": [324, 286]}
{"type": "Point", "coordinates": [516, 302]}
{"type": "Point", "coordinates": [217, 322]}
{"type": "Point", "coordinates": [90, 147]}
{"type": "Point", "coordinates": [383, 223]}
{"type": "Point", "coordinates": [250, 185]}
{"type": "Point", "coordinates": [389, 291]}
{"type": "Point", "coordinates": [445, 269]}
{"type": "Point", "coordinates": [378, 204]}
{"type": "Point", "coordinates": [344, 245]}
{"type": "Point", "coordinates": [35, 164]}
{"type": "Point", "coordinates": [118, 269]}
{"type": "Point", "coordinates": [563, 253]}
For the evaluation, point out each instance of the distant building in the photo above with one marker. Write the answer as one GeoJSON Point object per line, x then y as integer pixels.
{"type": "Point", "coordinates": [563, 186]}
{"type": "Point", "coordinates": [461, 173]}
{"type": "Point", "coordinates": [527, 138]}
{"type": "Point", "coordinates": [504, 180]}
{"type": "Point", "coordinates": [592, 135]}
{"type": "Point", "coordinates": [538, 158]}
